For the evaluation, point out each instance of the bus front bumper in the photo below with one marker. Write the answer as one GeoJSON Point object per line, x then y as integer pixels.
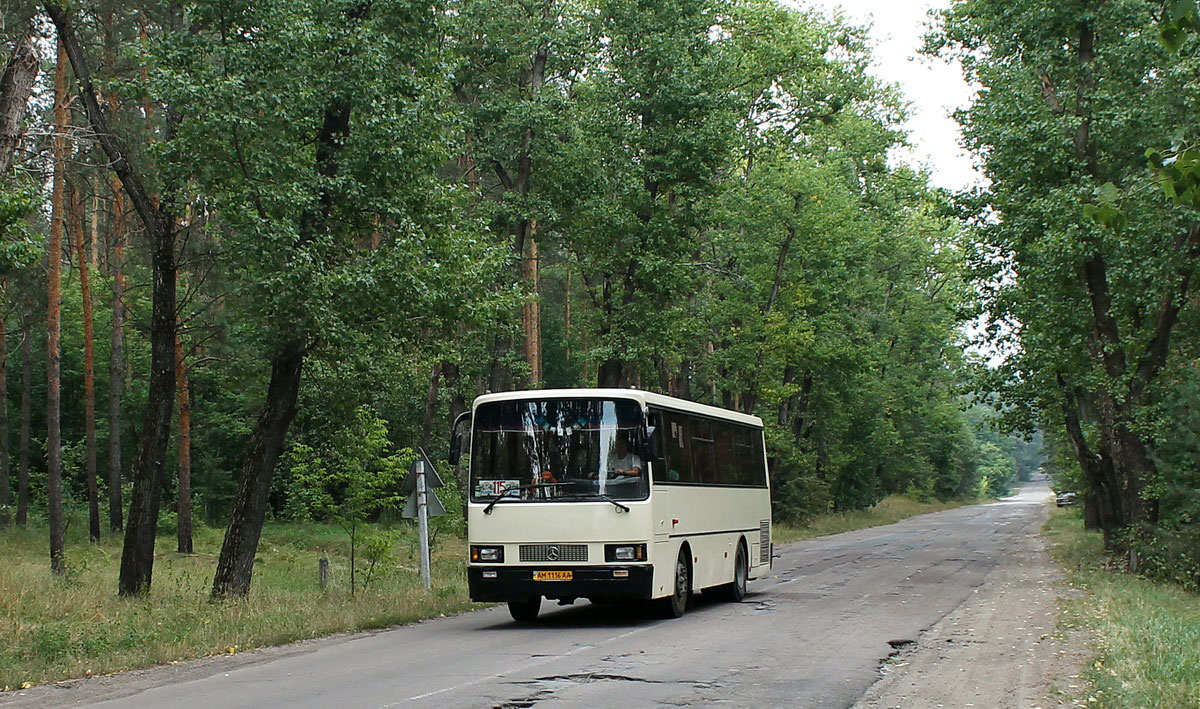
{"type": "Point", "coordinates": [514, 583]}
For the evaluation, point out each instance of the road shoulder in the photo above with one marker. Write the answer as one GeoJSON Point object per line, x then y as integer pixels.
{"type": "Point", "coordinates": [1000, 648]}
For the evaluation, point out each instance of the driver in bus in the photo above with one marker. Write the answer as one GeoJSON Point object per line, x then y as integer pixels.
{"type": "Point", "coordinates": [621, 460]}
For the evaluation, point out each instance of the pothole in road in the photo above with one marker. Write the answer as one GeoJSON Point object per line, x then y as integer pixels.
{"type": "Point", "coordinates": [526, 702]}
{"type": "Point", "coordinates": [546, 693]}
{"type": "Point", "coordinates": [898, 648]}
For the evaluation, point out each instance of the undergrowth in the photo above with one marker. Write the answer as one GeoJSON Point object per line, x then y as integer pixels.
{"type": "Point", "coordinates": [1147, 634]}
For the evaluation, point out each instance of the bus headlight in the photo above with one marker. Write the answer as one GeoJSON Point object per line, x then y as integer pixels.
{"type": "Point", "coordinates": [487, 554]}
{"type": "Point", "coordinates": [624, 552]}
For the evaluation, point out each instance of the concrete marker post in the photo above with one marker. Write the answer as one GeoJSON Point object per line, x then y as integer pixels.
{"type": "Point", "coordinates": [423, 524]}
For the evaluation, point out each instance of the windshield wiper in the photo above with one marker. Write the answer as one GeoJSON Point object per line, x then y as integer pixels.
{"type": "Point", "coordinates": [534, 486]}
{"type": "Point", "coordinates": [606, 498]}
{"type": "Point", "coordinates": [597, 497]}
{"type": "Point", "coordinates": [488, 510]}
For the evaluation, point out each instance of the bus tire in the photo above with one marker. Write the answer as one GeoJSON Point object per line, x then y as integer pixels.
{"type": "Point", "coordinates": [525, 610]}
{"type": "Point", "coordinates": [735, 590]}
{"type": "Point", "coordinates": [675, 605]}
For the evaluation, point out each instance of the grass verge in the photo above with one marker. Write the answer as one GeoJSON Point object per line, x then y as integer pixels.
{"type": "Point", "coordinates": [890, 509]}
{"type": "Point", "coordinates": [75, 626]}
{"type": "Point", "coordinates": [1147, 635]}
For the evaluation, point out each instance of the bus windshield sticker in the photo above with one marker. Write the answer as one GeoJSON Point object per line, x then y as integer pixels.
{"type": "Point", "coordinates": [495, 488]}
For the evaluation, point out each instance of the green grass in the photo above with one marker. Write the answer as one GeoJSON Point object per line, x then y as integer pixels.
{"type": "Point", "coordinates": [1147, 635]}
{"type": "Point", "coordinates": [890, 509]}
{"type": "Point", "coordinates": [74, 626]}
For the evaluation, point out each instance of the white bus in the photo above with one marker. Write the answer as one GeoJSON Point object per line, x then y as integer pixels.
{"type": "Point", "coordinates": [611, 494]}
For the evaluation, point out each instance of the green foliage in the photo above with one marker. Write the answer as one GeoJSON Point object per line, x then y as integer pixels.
{"type": "Point", "coordinates": [351, 477]}
{"type": "Point", "coordinates": [708, 181]}
{"type": "Point", "coordinates": [1085, 259]}
{"type": "Point", "coordinates": [354, 476]}
{"type": "Point", "coordinates": [1180, 19]}
{"type": "Point", "coordinates": [19, 247]}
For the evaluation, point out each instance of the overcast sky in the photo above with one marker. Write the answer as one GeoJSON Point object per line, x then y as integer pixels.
{"type": "Point", "coordinates": [933, 87]}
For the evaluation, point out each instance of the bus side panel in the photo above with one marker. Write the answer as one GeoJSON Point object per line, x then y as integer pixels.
{"type": "Point", "coordinates": [712, 520]}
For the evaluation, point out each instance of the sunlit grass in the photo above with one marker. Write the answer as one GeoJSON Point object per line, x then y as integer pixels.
{"type": "Point", "coordinates": [890, 509]}
{"type": "Point", "coordinates": [56, 628]}
{"type": "Point", "coordinates": [1147, 635]}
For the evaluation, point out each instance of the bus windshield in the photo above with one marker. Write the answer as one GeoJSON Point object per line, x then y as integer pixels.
{"type": "Point", "coordinates": [558, 450]}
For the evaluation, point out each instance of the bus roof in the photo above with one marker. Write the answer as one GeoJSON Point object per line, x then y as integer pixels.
{"type": "Point", "coordinates": [643, 397]}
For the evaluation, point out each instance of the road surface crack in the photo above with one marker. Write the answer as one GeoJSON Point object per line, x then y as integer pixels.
{"type": "Point", "coordinates": [585, 678]}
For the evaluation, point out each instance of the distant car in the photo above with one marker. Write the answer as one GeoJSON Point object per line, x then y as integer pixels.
{"type": "Point", "coordinates": [1065, 499]}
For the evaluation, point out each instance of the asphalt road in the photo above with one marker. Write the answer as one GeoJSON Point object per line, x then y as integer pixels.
{"type": "Point", "coordinates": [811, 634]}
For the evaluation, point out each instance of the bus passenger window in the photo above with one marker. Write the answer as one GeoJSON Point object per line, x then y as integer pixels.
{"type": "Point", "coordinates": [703, 465]}
{"type": "Point", "coordinates": [679, 460]}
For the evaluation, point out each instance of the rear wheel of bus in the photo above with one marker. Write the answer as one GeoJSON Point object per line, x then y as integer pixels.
{"type": "Point", "coordinates": [525, 610]}
{"type": "Point", "coordinates": [735, 591]}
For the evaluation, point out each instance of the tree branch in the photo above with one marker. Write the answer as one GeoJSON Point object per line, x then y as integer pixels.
{"type": "Point", "coordinates": [142, 203]}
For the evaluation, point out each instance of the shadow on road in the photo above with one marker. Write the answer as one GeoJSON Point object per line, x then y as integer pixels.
{"type": "Point", "coordinates": [585, 614]}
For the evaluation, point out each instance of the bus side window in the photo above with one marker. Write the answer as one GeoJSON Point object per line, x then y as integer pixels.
{"type": "Point", "coordinates": [654, 450]}
{"type": "Point", "coordinates": [703, 463]}
{"type": "Point", "coordinates": [725, 463]}
{"type": "Point", "coordinates": [744, 453]}
{"type": "Point", "coordinates": [679, 461]}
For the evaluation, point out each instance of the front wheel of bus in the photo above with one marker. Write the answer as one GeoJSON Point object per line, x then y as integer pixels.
{"type": "Point", "coordinates": [525, 610]}
{"type": "Point", "coordinates": [676, 604]}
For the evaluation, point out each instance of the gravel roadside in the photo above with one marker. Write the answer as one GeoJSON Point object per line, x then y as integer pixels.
{"type": "Point", "coordinates": [1001, 648]}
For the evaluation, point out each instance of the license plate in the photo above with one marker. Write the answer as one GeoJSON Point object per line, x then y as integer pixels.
{"type": "Point", "coordinates": [553, 575]}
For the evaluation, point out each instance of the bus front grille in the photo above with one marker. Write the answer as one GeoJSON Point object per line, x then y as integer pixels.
{"type": "Point", "coordinates": [554, 552]}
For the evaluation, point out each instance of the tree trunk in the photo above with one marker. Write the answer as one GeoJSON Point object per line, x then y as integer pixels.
{"type": "Point", "coordinates": [1098, 469]}
{"type": "Point", "coordinates": [53, 319]}
{"type": "Point", "coordinates": [5, 483]}
{"type": "Point", "coordinates": [611, 373]}
{"type": "Point", "coordinates": [26, 406]}
{"type": "Point", "coordinates": [116, 360]}
{"type": "Point", "coordinates": [458, 402]}
{"type": "Point", "coordinates": [531, 317]}
{"type": "Point", "coordinates": [567, 317]}
{"type": "Point", "coordinates": [16, 84]}
{"type": "Point", "coordinates": [236, 563]}
{"type": "Point", "coordinates": [183, 509]}
{"type": "Point", "coordinates": [89, 378]}
{"type": "Point", "coordinates": [137, 554]}
{"type": "Point", "coordinates": [431, 398]}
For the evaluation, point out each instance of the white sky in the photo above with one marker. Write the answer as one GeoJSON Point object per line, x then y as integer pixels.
{"type": "Point", "coordinates": [933, 87]}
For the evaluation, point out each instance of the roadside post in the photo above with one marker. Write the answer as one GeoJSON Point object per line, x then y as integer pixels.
{"type": "Point", "coordinates": [422, 504]}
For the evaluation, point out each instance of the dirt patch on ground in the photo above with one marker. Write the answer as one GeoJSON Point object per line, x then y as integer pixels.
{"type": "Point", "coordinates": [1001, 648]}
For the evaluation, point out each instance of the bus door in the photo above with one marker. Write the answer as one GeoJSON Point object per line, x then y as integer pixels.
{"type": "Point", "coordinates": [660, 498]}
{"type": "Point", "coordinates": [660, 501]}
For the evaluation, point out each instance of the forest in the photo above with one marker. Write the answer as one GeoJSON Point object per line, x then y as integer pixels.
{"type": "Point", "coordinates": [256, 254]}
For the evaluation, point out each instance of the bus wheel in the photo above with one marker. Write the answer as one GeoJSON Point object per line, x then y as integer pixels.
{"type": "Point", "coordinates": [525, 610]}
{"type": "Point", "coordinates": [675, 604]}
{"type": "Point", "coordinates": [735, 591]}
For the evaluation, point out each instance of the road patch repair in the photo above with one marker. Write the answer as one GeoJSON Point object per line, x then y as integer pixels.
{"type": "Point", "coordinates": [1001, 648]}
